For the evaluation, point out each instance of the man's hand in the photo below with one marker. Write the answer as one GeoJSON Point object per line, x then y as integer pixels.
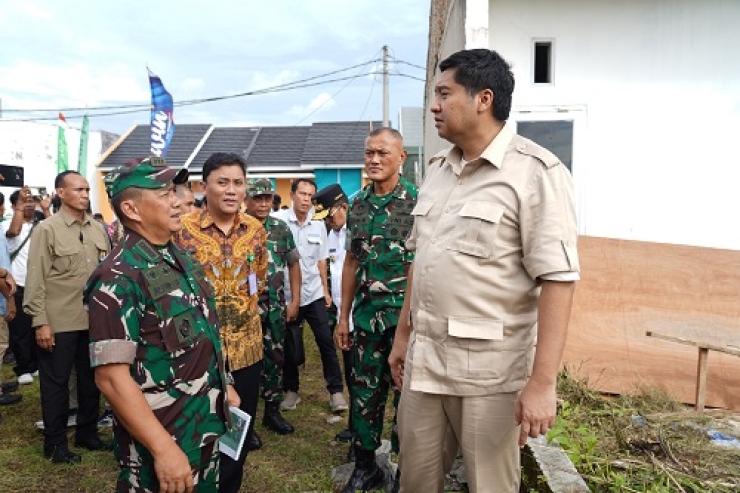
{"type": "Point", "coordinates": [341, 335]}
{"type": "Point", "coordinates": [292, 312]}
{"type": "Point", "coordinates": [11, 284]}
{"type": "Point", "coordinates": [45, 203]}
{"type": "Point", "coordinates": [397, 360]}
{"type": "Point", "coordinates": [536, 410]}
{"type": "Point", "coordinates": [23, 196]}
{"type": "Point", "coordinates": [10, 313]}
{"type": "Point", "coordinates": [173, 470]}
{"type": "Point", "coordinates": [45, 338]}
{"type": "Point", "coordinates": [327, 299]}
{"type": "Point", "coordinates": [232, 398]}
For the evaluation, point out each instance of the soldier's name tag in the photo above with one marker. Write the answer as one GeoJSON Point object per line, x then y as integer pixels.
{"type": "Point", "coordinates": [252, 283]}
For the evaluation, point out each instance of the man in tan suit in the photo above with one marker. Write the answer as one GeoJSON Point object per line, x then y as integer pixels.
{"type": "Point", "coordinates": [495, 241]}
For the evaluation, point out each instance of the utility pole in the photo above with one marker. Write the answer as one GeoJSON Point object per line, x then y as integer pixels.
{"type": "Point", "coordinates": [385, 86]}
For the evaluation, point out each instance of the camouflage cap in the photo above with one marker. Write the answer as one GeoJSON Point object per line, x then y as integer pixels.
{"type": "Point", "coordinates": [259, 186]}
{"type": "Point", "coordinates": [151, 173]}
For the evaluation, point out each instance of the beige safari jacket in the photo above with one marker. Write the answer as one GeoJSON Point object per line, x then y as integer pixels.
{"type": "Point", "coordinates": [484, 235]}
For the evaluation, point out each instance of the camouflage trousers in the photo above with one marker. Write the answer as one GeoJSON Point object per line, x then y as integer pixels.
{"type": "Point", "coordinates": [273, 330]}
{"type": "Point", "coordinates": [204, 463]}
{"type": "Point", "coordinates": [371, 381]}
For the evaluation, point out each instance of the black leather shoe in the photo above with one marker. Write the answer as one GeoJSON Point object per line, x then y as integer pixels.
{"type": "Point", "coordinates": [10, 387]}
{"type": "Point", "coordinates": [273, 420]}
{"type": "Point", "coordinates": [344, 436]}
{"type": "Point", "coordinates": [62, 455]}
{"type": "Point", "coordinates": [253, 442]}
{"type": "Point", "coordinates": [8, 399]}
{"type": "Point", "coordinates": [94, 444]}
{"type": "Point", "coordinates": [367, 476]}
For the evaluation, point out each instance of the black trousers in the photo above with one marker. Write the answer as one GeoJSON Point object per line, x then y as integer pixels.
{"type": "Point", "coordinates": [70, 349]}
{"type": "Point", "coordinates": [22, 339]}
{"type": "Point", "coordinates": [247, 385]}
{"type": "Point", "coordinates": [315, 314]}
{"type": "Point", "coordinates": [347, 360]}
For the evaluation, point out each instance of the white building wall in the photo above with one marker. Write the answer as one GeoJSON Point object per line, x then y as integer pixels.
{"type": "Point", "coordinates": [655, 85]}
{"type": "Point", "coordinates": [34, 147]}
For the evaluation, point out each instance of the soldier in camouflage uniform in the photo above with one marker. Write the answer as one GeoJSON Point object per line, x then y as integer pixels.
{"type": "Point", "coordinates": [375, 271]}
{"type": "Point", "coordinates": [283, 255]}
{"type": "Point", "coordinates": [155, 344]}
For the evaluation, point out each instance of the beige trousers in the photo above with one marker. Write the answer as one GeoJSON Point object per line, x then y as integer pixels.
{"type": "Point", "coordinates": [484, 427]}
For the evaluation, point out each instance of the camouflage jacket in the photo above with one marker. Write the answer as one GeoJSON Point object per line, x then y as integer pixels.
{"type": "Point", "coordinates": [377, 230]}
{"type": "Point", "coordinates": [282, 252]}
{"type": "Point", "coordinates": [152, 308]}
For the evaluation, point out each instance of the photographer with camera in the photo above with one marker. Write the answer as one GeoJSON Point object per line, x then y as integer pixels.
{"type": "Point", "coordinates": [18, 232]}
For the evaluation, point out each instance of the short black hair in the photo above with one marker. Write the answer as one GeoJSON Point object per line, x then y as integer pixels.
{"type": "Point", "coordinates": [125, 194]}
{"type": "Point", "coordinates": [2, 199]}
{"type": "Point", "coordinates": [276, 199]}
{"type": "Point", "coordinates": [481, 69]}
{"type": "Point", "coordinates": [294, 185]}
{"type": "Point", "coordinates": [14, 197]}
{"type": "Point", "coordinates": [221, 159]}
{"type": "Point", "coordinates": [395, 133]}
{"type": "Point", "coordinates": [59, 180]}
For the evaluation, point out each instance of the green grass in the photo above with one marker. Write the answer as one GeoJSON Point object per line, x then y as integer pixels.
{"type": "Point", "coordinates": [286, 464]}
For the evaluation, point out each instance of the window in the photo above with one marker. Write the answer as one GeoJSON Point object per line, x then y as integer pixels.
{"type": "Point", "coordinates": [542, 62]}
{"type": "Point", "coordinates": [555, 136]}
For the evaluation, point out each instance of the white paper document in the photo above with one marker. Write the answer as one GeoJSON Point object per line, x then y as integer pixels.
{"type": "Point", "coordinates": [232, 441]}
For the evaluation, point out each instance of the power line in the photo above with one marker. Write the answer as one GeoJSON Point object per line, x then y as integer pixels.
{"type": "Point", "coordinates": [190, 101]}
{"type": "Point", "coordinates": [409, 64]}
{"type": "Point", "coordinates": [359, 74]}
{"type": "Point", "coordinates": [208, 100]}
{"type": "Point", "coordinates": [135, 108]}
{"type": "Point", "coordinates": [408, 76]}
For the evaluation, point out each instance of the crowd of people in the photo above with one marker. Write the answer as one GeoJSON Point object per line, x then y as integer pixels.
{"type": "Point", "coordinates": [180, 309]}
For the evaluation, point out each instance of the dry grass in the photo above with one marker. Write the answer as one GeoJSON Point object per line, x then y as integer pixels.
{"type": "Point", "coordinates": [646, 442]}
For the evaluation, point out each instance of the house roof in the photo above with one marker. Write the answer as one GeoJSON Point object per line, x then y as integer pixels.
{"type": "Point", "coordinates": [137, 145]}
{"type": "Point", "coordinates": [267, 149]}
{"type": "Point", "coordinates": [336, 143]}
{"type": "Point", "coordinates": [224, 139]}
{"type": "Point", "coordinates": [278, 147]}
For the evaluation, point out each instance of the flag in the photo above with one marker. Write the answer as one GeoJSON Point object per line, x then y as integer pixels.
{"type": "Point", "coordinates": [82, 161]}
{"type": "Point", "coordinates": [62, 164]}
{"type": "Point", "coordinates": [162, 124]}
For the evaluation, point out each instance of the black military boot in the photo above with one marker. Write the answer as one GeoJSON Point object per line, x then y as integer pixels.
{"type": "Point", "coordinates": [367, 476]}
{"type": "Point", "coordinates": [273, 420]}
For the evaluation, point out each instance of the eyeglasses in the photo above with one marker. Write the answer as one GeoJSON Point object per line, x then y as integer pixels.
{"type": "Point", "coordinates": [333, 211]}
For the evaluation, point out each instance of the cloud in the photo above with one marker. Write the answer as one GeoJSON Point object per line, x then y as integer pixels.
{"type": "Point", "coordinates": [87, 52]}
{"type": "Point", "coordinates": [319, 104]}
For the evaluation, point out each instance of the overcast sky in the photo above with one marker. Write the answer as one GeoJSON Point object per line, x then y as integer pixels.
{"type": "Point", "coordinates": [77, 53]}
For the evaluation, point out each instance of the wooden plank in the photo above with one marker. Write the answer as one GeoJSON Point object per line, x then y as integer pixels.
{"type": "Point", "coordinates": [698, 344]}
{"type": "Point", "coordinates": [630, 287]}
{"type": "Point", "coordinates": [701, 379]}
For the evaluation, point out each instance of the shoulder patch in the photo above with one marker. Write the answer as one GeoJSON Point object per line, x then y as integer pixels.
{"type": "Point", "coordinates": [439, 157]}
{"type": "Point", "coordinates": [530, 148]}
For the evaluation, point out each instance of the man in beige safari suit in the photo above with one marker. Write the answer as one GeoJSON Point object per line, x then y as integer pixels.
{"type": "Point", "coordinates": [495, 241]}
